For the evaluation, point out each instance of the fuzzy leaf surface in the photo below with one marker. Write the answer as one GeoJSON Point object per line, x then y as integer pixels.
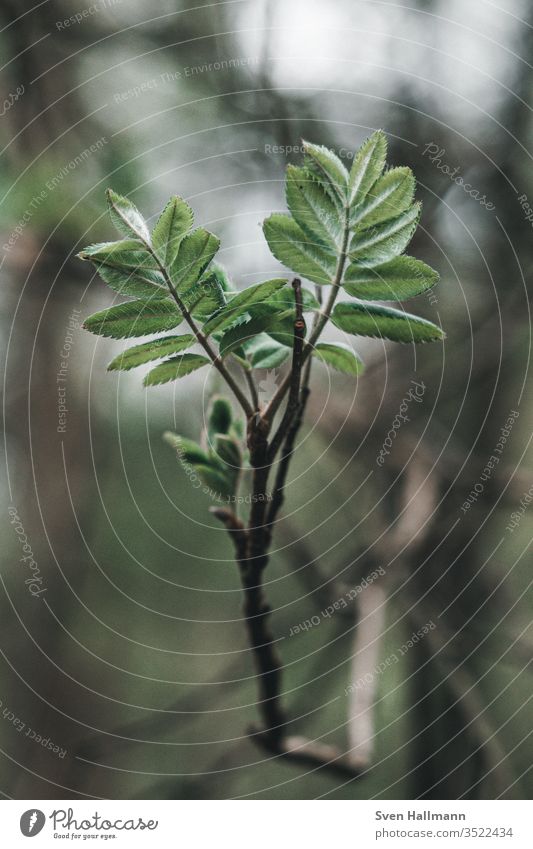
{"type": "Point", "coordinates": [175, 368]}
{"type": "Point", "coordinates": [384, 322]}
{"type": "Point", "coordinates": [148, 351]}
{"type": "Point", "coordinates": [135, 318]}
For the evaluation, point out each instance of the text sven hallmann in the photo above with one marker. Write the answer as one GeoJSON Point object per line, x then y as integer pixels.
{"type": "Point", "coordinates": [419, 815]}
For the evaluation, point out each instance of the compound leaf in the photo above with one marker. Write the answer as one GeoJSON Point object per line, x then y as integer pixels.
{"type": "Point", "coordinates": [135, 318]}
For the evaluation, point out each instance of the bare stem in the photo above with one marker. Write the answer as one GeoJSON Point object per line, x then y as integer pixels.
{"type": "Point", "coordinates": [295, 372]}
{"type": "Point", "coordinates": [252, 387]}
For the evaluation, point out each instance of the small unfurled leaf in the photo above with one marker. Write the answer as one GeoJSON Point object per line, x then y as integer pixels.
{"type": "Point", "coordinates": [219, 417]}
{"type": "Point", "coordinates": [328, 167]}
{"type": "Point", "coordinates": [312, 208]}
{"type": "Point", "coordinates": [135, 318]}
{"type": "Point", "coordinates": [264, 352]}
{"type": "Point", "coordinates": [171, 227]}
{"type": "Point", "coordinates": [295, 250]}
{"type": "Point", "coordinates": [383, 242]}
{"type": "Point", "coordinates": [195, 252]}
{"type": "Point", "coordinates": [188, 451]}
{"type": "Point", "coordinates": [240, 303]}
{"type": "Point", "coordinates": [174, 368]}
{"type": "Point", "coordinates": [228, 452]}
{"type": "Point", "coordinates": [401, 278]}
{"type": "Point", "coordinates": [339, 356]}
{"type": "Point", "coordinates": [367, 166]}
{"type": "Point", "coordinates": [220, 481]}
{"type": "Point", "coordinates": [148, 351]}
{"type": "Point", "coordinates": [384, 322]}
{"type": "Point", "coordinates": [126, 217]}
{"type": "Point", "coordinates": [389, 196]}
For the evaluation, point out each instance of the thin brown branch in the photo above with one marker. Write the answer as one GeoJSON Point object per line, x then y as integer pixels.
{"type": "Point", "coordinates": [321, 319]}
{"type": "Point", "coordinates": [285, 459]}
{"type": "Point", "coordinates": [295, 373]}
{"type": "Point", "coordinates": [252, 387]}
{"type": "Point", "coordinates": [301, 750]}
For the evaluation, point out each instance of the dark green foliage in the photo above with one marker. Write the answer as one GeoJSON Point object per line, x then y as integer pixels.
{"type": "Point", "coordinates": [345, 229]}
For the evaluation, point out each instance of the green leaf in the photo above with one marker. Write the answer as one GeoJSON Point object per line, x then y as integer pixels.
{"type": "Point", "coordinates": [228, 452]}
{"type": "Point", "coordinates": [126, 255]}
{"type": "Point", "coordinates": [384, 322]}
{"type": "Point", "coordinates": [171, 227]}
{"type": "Point", "coordinates": [264, 352]}
{"type": "Point", "coordinates": [220, 416]}
{"type": "Point", "coordinates": [284, 299]}
{"type": "Point", "coordinates": [126, 217]}
{"type": "Point", "coordinates": [188, 451]}
{"type": "Point", "coordinates": [174, 368]}
{"type": "Point", "coordinates": [155, 350]}
{"type": "Point", "coordinates": [328, 166]}
{"type": "Point", "coordinates": [340, 356]}
{"type": "Point", "coordinates": [135, 318]}
{"type": "Point", "coordinates": [195, 252]}
{"type": "Point", "coordinates": [281, 329]}
{"type": "Point", "coordinates": [389, 196]}
{"type": "Point", "coordinates": [396, 280]}
{"type": "Point", "coordinates": [312, 208]}
{"type": "Point", "coordinates": [219, 481]}
{"type": "Point", "coordinates": [295, 250]}
{"type": "Point", "coordinates": [205, 297]}
{"type": "Point", "coordinates": [367, 166]}
{"type": "Point", "coordinates": [241, 302]}
{"type": "Point", "coordinates": [141, 283]}
{"type": "Point", "coordinates": [382, 243]}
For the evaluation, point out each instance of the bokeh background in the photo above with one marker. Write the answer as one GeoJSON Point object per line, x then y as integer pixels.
{"type": "Point", "coordinates": [132, 661]}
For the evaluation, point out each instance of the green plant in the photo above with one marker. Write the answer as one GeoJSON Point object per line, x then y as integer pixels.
{"type": "Point", "coordinates": [346, 232]}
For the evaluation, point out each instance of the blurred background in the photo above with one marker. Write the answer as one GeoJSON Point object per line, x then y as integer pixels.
{"type": "Point", "coordinates": [125, 670]}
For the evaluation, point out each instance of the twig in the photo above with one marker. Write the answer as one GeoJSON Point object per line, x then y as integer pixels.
{"type": "Point", "coordinates": [200, 337]}
{"type": "Point", "coordinates": [284, 462]}
{"type": "Point", "coordinates": [235, 528]}
{"type": "Point", "coordinates": [295, 372]}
